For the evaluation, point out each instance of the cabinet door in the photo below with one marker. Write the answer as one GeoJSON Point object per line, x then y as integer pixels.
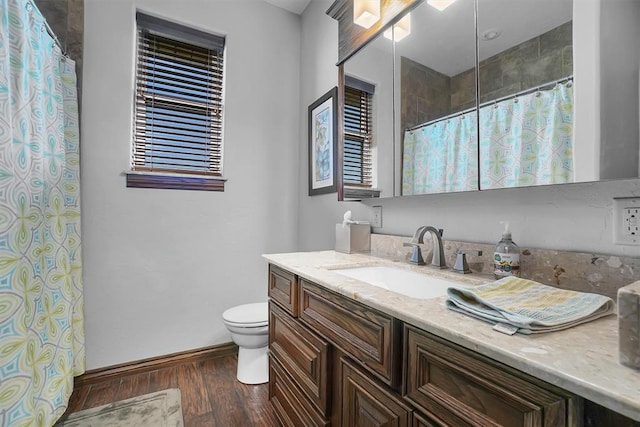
{"type": "Point", "coordinates": [302, 354]}
{"type": "Point", "coordinates": [368, 335]}
{"type": "Point", "coordinates": [283, 289]}
{"type": "Point", "coordinates": [365, 403]}
{"type": "Point", "coordinates": [289, 403]}
{"type": "Point", "coordinates": [464, 388]}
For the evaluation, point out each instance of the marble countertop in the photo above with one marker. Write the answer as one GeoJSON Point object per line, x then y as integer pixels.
{"type": "Point", "coordinates": [582, 359]}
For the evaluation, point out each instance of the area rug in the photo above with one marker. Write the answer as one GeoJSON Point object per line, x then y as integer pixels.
{"type": "Point", "coordinates": [160, 409]}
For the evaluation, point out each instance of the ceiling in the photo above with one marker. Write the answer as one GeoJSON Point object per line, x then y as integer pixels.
{"type": "Point", "coordinates": [295, 6]}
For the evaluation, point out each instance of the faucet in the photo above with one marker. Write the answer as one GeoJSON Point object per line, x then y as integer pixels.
{"type": "Point", "coordinates": [461, 265]}
{"type": "Point", "coordinates": [438, 249]}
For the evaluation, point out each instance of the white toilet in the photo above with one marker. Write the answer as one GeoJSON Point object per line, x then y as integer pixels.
{"type": "Point", "coordinates": [249, 329]}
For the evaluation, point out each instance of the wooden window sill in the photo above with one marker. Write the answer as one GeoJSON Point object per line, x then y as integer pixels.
{"type": "Point", "coordinates": [171, 181]}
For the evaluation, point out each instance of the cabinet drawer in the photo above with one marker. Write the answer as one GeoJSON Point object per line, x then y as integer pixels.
{"type": "Point", "coordinates": [365, 403]}
{"type": "Point", "coordinates": [302, 354]}
{"type": "Point", "coordinates": [463, 388]}
{"type": "Point", "coordinates": [289, 403]}
{"type": "Point", "coordinates": [371, 337]}
{"type": "Point", "coordinates": [283, 289]}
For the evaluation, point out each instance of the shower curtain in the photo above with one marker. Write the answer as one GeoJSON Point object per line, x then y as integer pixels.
{"type": "Point", "coordinates": [41, 316]}
{"type": "Point", "coordinates": [441, 157]}
{"type": "Point", "coordinates": [524, 140]}
{"type": "Point", "coordinates": [528, 140]}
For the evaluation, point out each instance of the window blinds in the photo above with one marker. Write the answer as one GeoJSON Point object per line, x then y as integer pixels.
{"type": "Point", "coordinates": [357, 132]}
{"type": "Point", "coordinates": [179, 99]}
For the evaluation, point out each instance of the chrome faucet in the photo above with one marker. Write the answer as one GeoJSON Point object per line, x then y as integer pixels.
{"type": "Point", "coordinates": [438, 249]}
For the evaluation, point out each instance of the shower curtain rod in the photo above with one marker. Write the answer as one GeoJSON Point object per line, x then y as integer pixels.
{"type": "Point", "coordinates": [30, 5]}
{"type": "Point", "coordinates": [55, 38]}
{"type": "Point", "coordinates": [494, 101]}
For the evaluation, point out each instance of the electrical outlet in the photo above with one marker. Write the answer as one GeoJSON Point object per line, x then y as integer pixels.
{"type": "Point", "coordinates": [626, 221]}
{"type": "Point", "coordinates": [630, 218]}
{"type": "Point", "coordinates": [377, 217]}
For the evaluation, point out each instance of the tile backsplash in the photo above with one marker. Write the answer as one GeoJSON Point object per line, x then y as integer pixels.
{"type": "Point", "coordinates": [585, 272]}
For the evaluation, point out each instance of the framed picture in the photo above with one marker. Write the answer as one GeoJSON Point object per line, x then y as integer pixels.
{"type": "Point", "coordinates": [323, 136]}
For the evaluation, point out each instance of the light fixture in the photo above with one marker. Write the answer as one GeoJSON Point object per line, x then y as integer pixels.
{"type": "Point", "coordinates": [366, 12]}
{"type": "Point", "coordinates": [491, 34]}
{"type": "Point", "coordinates": [440, 4]}
{"type": "Point", "coordinates": [400, 30]}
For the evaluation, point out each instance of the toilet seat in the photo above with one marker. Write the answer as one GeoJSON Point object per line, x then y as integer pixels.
{"type": "Point", "coordinates": [247, 315]}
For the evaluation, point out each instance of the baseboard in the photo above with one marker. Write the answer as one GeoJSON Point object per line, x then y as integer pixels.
{"type": "Point", "coordinates": [154, 363]}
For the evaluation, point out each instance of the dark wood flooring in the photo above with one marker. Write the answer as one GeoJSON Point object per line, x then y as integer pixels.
{"type": "Point", "coordinates": [211, 396]}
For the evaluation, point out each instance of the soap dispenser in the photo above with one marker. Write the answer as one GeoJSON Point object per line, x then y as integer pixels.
{"type": "Point", "coordinates": [506, 256]}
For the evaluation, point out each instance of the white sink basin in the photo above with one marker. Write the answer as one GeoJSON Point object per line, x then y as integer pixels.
{"type": "Point", "coordinates": [404, 282]}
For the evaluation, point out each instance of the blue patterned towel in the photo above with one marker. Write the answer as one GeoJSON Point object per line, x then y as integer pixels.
{"type": "Point", "coordinates": [527, 305]}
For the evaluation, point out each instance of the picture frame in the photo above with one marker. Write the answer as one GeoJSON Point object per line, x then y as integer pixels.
{"type": "Point", "coordinates": [323, 144]}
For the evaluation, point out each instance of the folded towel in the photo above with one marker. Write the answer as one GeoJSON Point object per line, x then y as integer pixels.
{"type": "Point", "coordinates": [527, 305]}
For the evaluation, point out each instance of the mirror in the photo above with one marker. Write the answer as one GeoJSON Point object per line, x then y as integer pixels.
{"type": "Point", "coordinates": [584, 53]}
{"type": "Point", "coordinates": [435, 101]}
{"type": "Point", "coordinates": [368, 124]}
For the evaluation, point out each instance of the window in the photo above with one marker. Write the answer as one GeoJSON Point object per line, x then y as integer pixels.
{"type": "Point", "coordinates": [178, 107]}
{"type": "Point", "coordinates": [358, 105]}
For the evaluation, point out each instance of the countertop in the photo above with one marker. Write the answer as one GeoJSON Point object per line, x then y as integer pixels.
{"type": "Point", "coordinates": [582, 359]}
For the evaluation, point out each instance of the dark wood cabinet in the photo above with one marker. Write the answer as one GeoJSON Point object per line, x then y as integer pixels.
{"type": "Point", "coordinates": [465, 388]}
{"type": "Point", "coordinates": [366, 403]}
{"type": "Point", "coordinates": [335, 361]}
{"type": "Point", "coordinates": [369, 336]}
{"type": "Point", "coordinates": [419, 420]}
{"type": "Point", "coordinates": [283, 289]}
{"type": "Point", "coordinates": [302, 354]}
{"type": "Point", "coordinates": [291, 405]}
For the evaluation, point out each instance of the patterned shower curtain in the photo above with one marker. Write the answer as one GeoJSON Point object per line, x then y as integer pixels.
{"type": "Point", "coordinates": [524, 140]}
{"type": "Point", "coordinates": [41, 315]}
{"type": "Point", "coordinates": [441, 157]}
{"type": "Point", "coordinates": [528, 140]}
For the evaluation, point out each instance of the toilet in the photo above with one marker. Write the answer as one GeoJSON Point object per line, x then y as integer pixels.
{"type": "Point", "coordinates": [248, 325]}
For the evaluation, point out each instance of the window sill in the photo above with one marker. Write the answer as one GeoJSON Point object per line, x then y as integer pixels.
{"type": "Point", "coordinates": [359, 193]}
{"type": "Point", "coordinates": [172, 181]}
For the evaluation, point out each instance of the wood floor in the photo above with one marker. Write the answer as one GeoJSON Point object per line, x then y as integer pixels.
{"type": "Point", "coordinates": [211, 396]}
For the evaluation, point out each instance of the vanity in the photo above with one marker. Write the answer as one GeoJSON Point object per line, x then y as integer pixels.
{"type": "Point", "coordinates": [344, 352]}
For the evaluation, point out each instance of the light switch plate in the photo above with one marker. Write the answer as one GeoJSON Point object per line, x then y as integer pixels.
{"type": "Point", "coordinates": [626, 221]}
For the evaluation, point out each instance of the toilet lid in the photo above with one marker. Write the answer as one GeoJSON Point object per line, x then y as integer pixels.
{"type": "Point", "coordinates": [248, 315]}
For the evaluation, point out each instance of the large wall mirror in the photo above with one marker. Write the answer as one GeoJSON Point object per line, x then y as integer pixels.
{"type": "Point", "coordinates": [557, 99]}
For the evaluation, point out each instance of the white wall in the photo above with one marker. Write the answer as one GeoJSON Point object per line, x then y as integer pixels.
{"type": "Point", "coordinates": [566, 217]}
{"type": "Point", "coordinates": [160, 266]}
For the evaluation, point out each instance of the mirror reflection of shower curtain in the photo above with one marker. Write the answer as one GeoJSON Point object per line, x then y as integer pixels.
{"type": "Point", "coordinates": [441, 157]}
{"type": "Point", "coordinates": [528, 140]}
{"type": "Point", "coordinates": [525, 140]}
{"type": "Point", "coordinates": [41, 315]}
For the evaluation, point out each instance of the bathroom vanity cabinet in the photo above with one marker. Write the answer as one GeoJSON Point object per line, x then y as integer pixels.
{"type": "Point", "coordinates": [336, 361]}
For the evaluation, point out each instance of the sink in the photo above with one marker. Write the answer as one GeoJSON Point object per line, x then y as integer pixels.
{"type": "Point", "coordinates": [404, 282]}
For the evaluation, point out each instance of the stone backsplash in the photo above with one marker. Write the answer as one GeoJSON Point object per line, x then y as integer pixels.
{"type": "Point", "coordinates": [585, 272]}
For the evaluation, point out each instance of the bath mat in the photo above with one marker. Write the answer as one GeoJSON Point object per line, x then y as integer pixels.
{"type": "Point", "coordinates": [159, 409]}
{"type": "Point", "coordinates": [529, 307]}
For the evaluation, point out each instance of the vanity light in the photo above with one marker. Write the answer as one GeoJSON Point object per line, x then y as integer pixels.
{"type": "Point", "coordinates": [366, 12]}
{"type": "Point", "coordinates": [440, 4]}
{"type": "Point", "coordinates": [400, 30]}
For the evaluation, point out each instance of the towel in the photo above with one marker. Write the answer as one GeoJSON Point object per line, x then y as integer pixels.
{"type": "Point", "coordinates": [529, 306]}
